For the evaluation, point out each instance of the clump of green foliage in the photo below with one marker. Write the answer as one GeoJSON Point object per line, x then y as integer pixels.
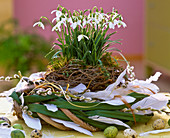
{"type": "Point", "coordinates": [83, 34]}
{"type": "Point", "coordinates": [21, 50]}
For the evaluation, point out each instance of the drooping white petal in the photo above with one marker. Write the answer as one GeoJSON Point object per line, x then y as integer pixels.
{"type": "Point", "coordinates": [82, 36]}
{"type": "Point", "coordinates": [40, 24]}
{"type": "Point", "coordinates": [118, 101]}
{"type": "Point", "coordinates": [154, 132]}
{"type": "Point", "coordinates": [51, 107]}
{"type": "Point", "coordinates": [155, 101]}
{"type": "Point", "coordinates": [73, 126]}
{"type": "Point", "coordinates": [108, 120]}
{"type": "Point", "coordinates": [32, 122]}
{"type": "Point", "coordinates": [73, 25]}
{"type": "Point", "coordinates": [53, 11]}
{"type": "Point", "coordinates": [111, 25]}
{"type": "Point", "coordinates": [78, 89]}
{"type": "Point", "coordinates": [154, 78]}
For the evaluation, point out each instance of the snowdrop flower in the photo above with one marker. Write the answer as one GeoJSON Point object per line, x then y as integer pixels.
{"type": "Point", "coordinates": [119, 23]}
{"type": "Point", "coordinates": [82, 36]}
{"type": "Point", "coordinates": [87, 22]}
{"type": "Point", "coordinates": [58, 14]}
{"type": "Point", "coordinates": [111, 25]}
{"type": "Point", "coordinates": [40, 24]}
{"type": "Point", "coordinates": [70, 20]}
{"type": "Point", "coordinates": [58, 25]}
{"type": "Point", "coordinates": [74, 25]}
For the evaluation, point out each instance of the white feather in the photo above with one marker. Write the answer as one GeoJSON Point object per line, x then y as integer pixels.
{"type": "Point", "coordinates": [32, 122]}
{"type": "Point", "coordinates": [155, 101]}
{"type": "Point", "coordinates": [51, 107]}
{"type": "Point", "coordinates": [108, 120]}
{"type": "Point", "coordinates": [73, 126]}
{"type": "Point", "coordinates": [154, 78]}
{"type": "Point", "coordinates": [78, 89]}
{"type": "Point", "coordinates": [22, 99]}
{"type": "Point", "coordinates": [154, 132]}
{"type": "Point", "coordinates": [6, 132]}
{"type": "Point", "coordinates": [118, 101]}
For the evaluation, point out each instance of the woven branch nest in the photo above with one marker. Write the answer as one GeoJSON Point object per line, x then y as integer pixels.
{"type": "Point", "coordinates": [96, 78]}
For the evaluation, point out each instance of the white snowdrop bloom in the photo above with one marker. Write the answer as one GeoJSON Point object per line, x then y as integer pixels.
{"type": "Point", "coordinates": [40, 24]}
{"type": "Point", "coordinates": [81, 37]}
{"type": "Point", "coordinates": [70, 20]}
{"type": "Point", "coordinates": [120, 23]}
{"type": "Point", "coordinates": [58, 25]}
{"type": "Point", "coordinates": [58, 13]}
{"type": "Point", "coordinates": [111, 25]}
{"type": "Point", "coordinates": [75, 24]}
{"type": "Point", "coordinates": [114, 16]}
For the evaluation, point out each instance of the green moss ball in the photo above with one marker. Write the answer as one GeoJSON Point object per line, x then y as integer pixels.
{"type": "Point", "coordinates": [17, 134]}
{"type": "Point", "coordinates": [111, 132]}
{"type": "Point", "coordinates": [18, 126]}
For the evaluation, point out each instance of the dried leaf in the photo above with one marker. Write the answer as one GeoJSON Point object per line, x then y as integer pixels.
{"type": "Point", "coordinates": [155, 101]}
{"type": "Point", "coordinates": [32, 122]}
{"type": "Point", "coordinates": [141, 86]}
{"type": "Point", "coordinates": [78, 89]}
{"type": "Point", "coordinates": [108, 120]}
{"type": "Point", "coordinates": [22, 99]}
{"type": "Point", "coordinates": [111, 87]}
{"type": "Point", "coordinates": [118, 101]}
{"type": "Point", "coordinates": [73, 126]}
{"type": "Point", "coordinates": [37, 76]}
{"type": "Point", "coordinates": [154, 78]}
{"type": "Point", "coordinates": [51, 107]}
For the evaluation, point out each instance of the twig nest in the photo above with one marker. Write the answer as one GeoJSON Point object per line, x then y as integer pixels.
{"type": "Point", "coordinates": [158, 124]}
{"type": "Point", "coordinates": [111, 132]}
{"type": "Point", "coordinates": [130, 133]}
{"type": "Point", "coordinates": [17, 134]}
{"type": "Point", "coordinates": [5, 119]}
{"type": "Point", "coordinates": [36, 134]}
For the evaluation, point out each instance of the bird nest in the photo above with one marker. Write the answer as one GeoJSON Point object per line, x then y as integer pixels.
{"type": "Point", "coordinates": [96, 78]}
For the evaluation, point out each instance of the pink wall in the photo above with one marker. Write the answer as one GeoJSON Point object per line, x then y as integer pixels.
{"type": "Point", "coordinates": [29, 11]}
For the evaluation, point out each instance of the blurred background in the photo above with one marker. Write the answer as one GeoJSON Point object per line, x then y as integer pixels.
{"type": "Point", "coordinates": [145, 41]}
